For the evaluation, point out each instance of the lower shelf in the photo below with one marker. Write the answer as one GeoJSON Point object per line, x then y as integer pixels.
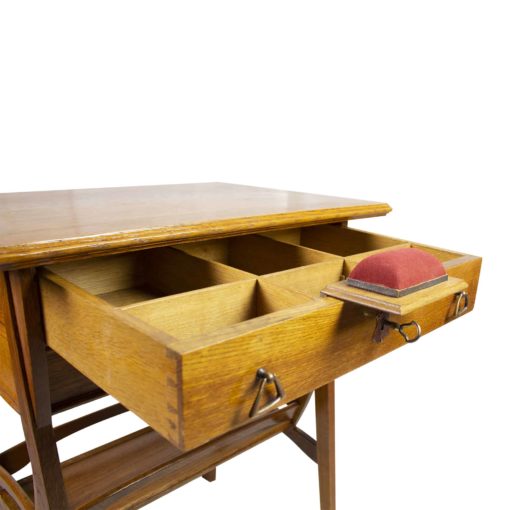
{"type": "Point", "coordinates": [138, 468]}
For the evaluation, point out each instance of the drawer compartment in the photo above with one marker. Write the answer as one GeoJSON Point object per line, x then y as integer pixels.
{"type": "Point", "coordinates": [282, 263]}
{"type": "Point", "coordinates": [256, 254]}
{"type": "Point", "coordinates": [337, 240]}
{"type": "Point", "coordinates": [124, 279]}
{"type": "Point", "coordinates": [178, 335]}
{"type": "Point", "coordinates": [187, 363]}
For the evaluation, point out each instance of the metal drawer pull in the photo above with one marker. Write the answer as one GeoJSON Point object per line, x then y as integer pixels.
{"type": "Point", "coordinates": [266, 378]}
{"type": "Point", "coordinates": [382, 322]}
{"type": "Point", "coordinates": [401, 329]}
{"type": "Point", "coordinates": [461, 297]}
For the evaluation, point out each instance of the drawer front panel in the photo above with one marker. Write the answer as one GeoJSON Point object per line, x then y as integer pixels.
{"type": "Point", "coordinates": [219, 382]}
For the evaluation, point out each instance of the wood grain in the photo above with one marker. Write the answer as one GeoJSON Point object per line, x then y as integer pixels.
{"type": "Point", "coordinates": [257, 254]}
{"type": "Point", "coordinates": [68, 387]}
{"type": "Point", "coordinates": [200, 312]}
{"type": "Point", "coordinates": [12, 496]}
{"type": "Point", "coordinates": [325, 424]}
{"type": "Point", "coordinates": [17, 457]}
{"type": "Point", "coordinates": [403, 305]}
{"type": "Point", "coordinates": [317, 344]}
{"type": "Point", "coordinates": [303, 441]}
{"type": "Point", "coordinates": [218, 337]}
{"type": "Point", "coordinates": [344, 241]}
{"type": "Point", "coordinates": [102, 479]}
{"type": "Point", "coordinates": [127, 358]}
{"type": "Point", "coordinates": [177, 334]}
{"type": "Point", "coordinates": [133, 277]}
{"type": "Point", "coordinates": [42, 227]}
{"type": "Point", "coordinates": [210, 476]}
{"type": "Point", "coordinates": [218, 363]}
{"type": "Point", "coordinates": [7, 383]}
{"type": "Point", "coordinates": [466, 267]}
{"type": "Point", "coordinates": [28, 354]}
{"type": "Point", "coordinates": [309, 280]}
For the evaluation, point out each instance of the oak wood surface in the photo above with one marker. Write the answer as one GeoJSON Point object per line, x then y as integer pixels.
{"type": "Point", "coordinates": [102, 479]}
{"type": "Point", "coordinates": [12, 496]}
{"type": "Point", "coordinates": [28, 354]}
{"type": "Point", "coordinates": [178, 334]}
{"type": "Point", "coordinates": [191, 318]}
{"type": "Point", "coordinates": [132, 360]}
{"type": "Point", "coordinates": [210, 476]}
{"type": "Point", "coordinates": [218, 337]}
{"type": "Point", "coordinates": [42, 227]}
{"type": "Point", "coordinates": [309, 349]}
{"type": "Point", "coordinates": [124, 356]}
{"type": "Point", "coordinates": [325, 421]}
{"type": "Point", "coordinates": [17, 457]}
{"type": "Point", "coordinates": [403, 305]}
{"type": "Point", "coordinates": [466, 267]}
{"type": "Point", "coordinates": [7, 383]}
{"type": "Point", "coordinates": [257, 254]}
{"type": "Point", "coordinates": [131, 277]}
{"type": "Point", "coordinates": [342, 240]}
{"type": "Point", "coordinates": [309, 280]}
{"type": "Point", "coordinates": [303, 441]}
{"type": "Point", "coordinates": [68, 386]}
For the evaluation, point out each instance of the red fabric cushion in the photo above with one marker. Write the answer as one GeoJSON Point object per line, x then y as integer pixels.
{"type": "Point", "coordinates": [398, 269]}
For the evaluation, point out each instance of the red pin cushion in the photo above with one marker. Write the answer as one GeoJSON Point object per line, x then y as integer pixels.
{"type": "Point", "coordinates": [398, 272]}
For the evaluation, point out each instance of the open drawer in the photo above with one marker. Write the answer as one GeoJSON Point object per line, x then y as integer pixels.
{"type": "Point", "coordinates": [183, 352]}
{"type": "Point", "coordinates": [180, 335]}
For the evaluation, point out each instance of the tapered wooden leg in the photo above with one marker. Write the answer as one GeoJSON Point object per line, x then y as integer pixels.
{"type": "Point", "coordinates": [25, 335]}
{"type": "Point", "coordinates": [210, 476]}
{"type": "Point", "coordinates": [325, 420]}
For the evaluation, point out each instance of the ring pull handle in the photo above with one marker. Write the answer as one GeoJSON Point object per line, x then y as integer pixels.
{"type": "Point", "coordinates": [382, 323]}
{"type": "Point", "coordinates": [462, 297]}
{"type": "Point", "coordinates": [402, 327]}
{"type": "Point", "coordinates": [265, 378]}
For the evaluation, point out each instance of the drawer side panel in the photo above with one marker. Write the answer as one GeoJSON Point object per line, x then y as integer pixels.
{"type": "Point", "coordinates": [7, 384]}
{"type": "Point", "coordinates": [112, 350]}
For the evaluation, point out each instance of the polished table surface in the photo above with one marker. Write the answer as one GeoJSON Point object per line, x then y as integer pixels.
{"type": "Point", "coordinates": [42, 227]}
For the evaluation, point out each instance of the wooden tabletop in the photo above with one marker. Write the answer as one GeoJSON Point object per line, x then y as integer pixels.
{"type": "Point", "coordinates": [43, 227]}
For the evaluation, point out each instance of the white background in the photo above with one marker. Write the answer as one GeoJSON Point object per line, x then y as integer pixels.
{"type": "Point", "coordinates": [398, 101]}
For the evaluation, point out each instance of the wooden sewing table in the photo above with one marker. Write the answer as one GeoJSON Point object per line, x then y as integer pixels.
{"type": "Point", "coordinates": [198, 307]}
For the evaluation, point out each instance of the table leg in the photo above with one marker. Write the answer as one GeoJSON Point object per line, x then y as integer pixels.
{"type": "Point", "coordinates": [325, 420]}
{"type": "Point", "coordinates": [210, 476]}
{"type": "Point", "coordinates": [25, 334]}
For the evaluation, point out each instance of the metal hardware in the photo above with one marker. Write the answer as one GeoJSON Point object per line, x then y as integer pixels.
{"type": "Point", "coordinates": [400, 329]}
{"type": "Point", "coordinates": [382, 322]}
{"type": "Point", "coordinates": [265, 378]}
{"type": "Point", "coordinates": [461, 296]}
